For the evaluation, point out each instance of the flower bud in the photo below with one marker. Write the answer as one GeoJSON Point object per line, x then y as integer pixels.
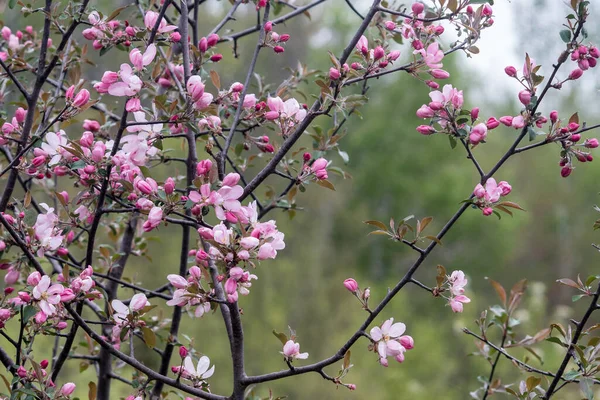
{"type": "Point", "coordinates": [268, 26]}
{"type": "Point", "coordinates": [439, 74]}
{"type": "Point", "coordinates": [278, 49]}
{"type": "Point", "coordinates": [525, 97]}
{"type": "Point", "coordinates": [334, 74]}
{"type": "Point", "coordinates": [216, 57]}
{"type": "Point", "coordinates": [576, 137]}
{"type": "Point", "coordinates": [81, 99]}
{"type": "Point", "coordinates": [506, 120]}
{"type": "Point", "coordinates": [417, 8]}
{"type": "Point", "coordinates": [175, 37]}
{"type": "Point", "coordinates": [487, 10]}
{"type": "Point", "coordinates": [378, 53]}
{"type": "Point", "coordinates": [67, 389]}
{"type": "Point", "coordinates": [183, 352]}
{"type": "Point", "coordinates": [425, 129]}
{"type": "Point", "coordinates": [488, 211]}
{"type": "Point", "coordinates": [20, 114]}
{"type": "Point", "coordinates": [390, 25]}
{"type": "Point", "coordinates": [565, 171]}
{"type": "Point", "coordinates": [351, 285]}
{"type": "Point", "coordinates": [510, 71]}
{"type": "Point", "coordinates": [212, 39]}
{"type": "Point", "coordinates": [575, 74]}
{"type": "Point", "coordinates": [591, 143]}
{"type": "Point", "coordinates": [474, 113]}
{"type": "Point", "coordinates": [407, 342]}
{"type": "Point", "coordinates": [425, 112]}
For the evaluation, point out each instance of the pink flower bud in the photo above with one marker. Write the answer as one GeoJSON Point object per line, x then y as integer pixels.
{"type": "Point", "coordinates": [212, 39]}
{"type": "Point", "coordinates": [594, 52]}
{"type": "Point", "coordinates": [439, 74]}
{"type": "Point", "coordinates": [351, 386]}
{"type": "Point", "coordinates": [417, 44]}
{"type": "Point", "coordinates": [2, 245]}
{"type": "Point", "coordinates": [573, 126]}
{"type": "Point", "coordinates": [565, 171]}
{"type": "Point", "coordinates": [61, 325]}
{"type": "Point", "coordinates": [40, 318]}
{"type": "Point", "coordinates": [474, 113]}
{"type": "Point", "coordinates": [268, 26]}
{"type": "Point", "coordinates": [67, 389]}
{"type": "Point", "coordinates": [554, 116]}
{"type": "Point", "coordinates": [393, 55]}
{"type": "Point", "coordinates": [334, 74]}
{"type": "Point", "coordinates": [87, 139]}
{"type": "Point", "coordinates": [133, 105]}
{"type": "Point", "coordinates": [216, 57]}
{"type": "Point", "coordinates": [38, 161]}
{"type": "Point", "coordinates": [417, 8]}
{"type": "Point", "coordinates": [70, 92]}
{"type": "Point", "coordinates": [425, 129]}
{"type": "Point", "coordinates": [487, 212]}
{"type": "Point", "coordinates": [7, 128]}
{"type": "Point", "coordinates": [487, 10]}
{"type": "Point", "coordinates": [231, 179]}
{"type": "Point", "coordinates": [81, 99]}
{"type": "Point", "coordinates": [89, 169]}
{"type": "Point", "coordinates": [575, 138]}
{"type": "Point", "coordinates": [525, 97]}
{"type": "Point", "coordinates": [470, 10]}
{"type": "Point", "coordinates": [351, 285]}
{"type": "Point", "coordinates": [203, 45]}
{"type": "Point", "coordinates": [510, 71]}
{"type": "Point", "coordinates": [203, 167]}
{"type": "Point", "coordinates": [183, 352]}
{"type": "Point", "coordinates": [432, 84]}
{"type": "Point", "coordinates": [20, 114]}
{"type": "Point", "coordinates": [169, 186]}
{"type": "Point", "coordinates": [378, 53]}
{"type": "Point", "coordinates": [175, 37]}
{"type": "Point", "coordinates": [22, 372]}
{"type": "Point", "coordinates": [425, 112]}
{"type": "Point", "coordinates": [506, 120]}
{"type": "Point", "coordinates": [34, 278]}
{"type": "Point", "coordinates": [591, 143]}
{"type": "Point", "coordinates": [390, 25]}
{"type": "Point", "coordinates": [407, 342]}
{"type": "Point", "coordinates": [492, 123]}
{"type": "Point", "coordinates": [505, 187]}
{"type": "Point", "coordinates": [278, 49]}
{"type": "Point", "coordinates": [575, 74]}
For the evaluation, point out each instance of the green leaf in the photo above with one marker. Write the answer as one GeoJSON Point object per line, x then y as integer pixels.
{"type": "Point", "coordinates": [149, 336]}
{"type": "Point", "coordinates": [28, 312]}
{"type": "Point", "coordinates": [11, 4]}
{"type": "Point", "coordinates": [577, 297]}
{"type": "Point", "coordinates": [532, 383]}
{"type": "Point", "coordinates": [281, 336]}
{"type": "Point", "coordinates": [565, 35]}
{"type": "Point", "coordinates": [347, 359]}
{"type": "Point", "coordinates": [326, 184]}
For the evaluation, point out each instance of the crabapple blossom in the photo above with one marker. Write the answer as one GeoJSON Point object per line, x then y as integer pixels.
{"type": "Point", "coordinates": [291, 351]}
{"type": "Point", "coordinates": [199, 373]}
{"type": "Point", "coordinates": [48, 296]}
{"type": "Point", "coordinates": [387, 341]}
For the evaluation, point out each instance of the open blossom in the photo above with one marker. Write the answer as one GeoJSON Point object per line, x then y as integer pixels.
{"type": "Point", "coordinates": [288, 109]}
{"type": "Point", "coordinates": [129, 85]}
{"type": "Point", "coordinates": [389, 341]}
{"type": "Point", "coordinates": [54, 145]}
{"type": "Point", "coordinates": [46, 231]}
{"type": "Point", "coordinates": [432, 55]}
{"type": "Point", "coordinates": [121, 311]}
{"type": "Point", "coordinates": [154, 219]}
{"type": "Point", "coordinates": [48, 296]}
{"type": "Point", "coordinates": [201, 371]}
{"type": "Point", "coordinates": [291, 350]}
{"type": "Point", "coordinates": [448, 96]}
{"type": "Point", "coordinates": [139, 60]}
{"type": "Point", "coordinates": [150, 21]}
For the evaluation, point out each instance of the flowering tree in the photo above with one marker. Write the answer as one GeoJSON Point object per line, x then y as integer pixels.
{"type": "Point", "coordinates": [50, 243]}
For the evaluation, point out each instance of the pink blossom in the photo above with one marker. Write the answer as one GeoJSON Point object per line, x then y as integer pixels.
{"type": "Point", "coordinates": [387, 341]}
{"type": "Point", "coordinates": [478, 134]}
{"type": "Point", "coordinates": [154, 219]}
{"type": "Point", "coordinates": [432, 56]}
{"type": "Point", "coordinates": [139, 60]}
{"type": "Point", "coordinates": [456, 303]}
{"type": "Point", "coordinates": [150, 21]}
{"type": "Point", "coordinates": [48, 296]}
{"type": "Point", "coordinates": [291, 351]}
{"type": "Point", "coordinates": [130, 84]}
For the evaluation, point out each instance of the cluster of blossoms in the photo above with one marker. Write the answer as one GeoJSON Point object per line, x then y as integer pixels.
{"type": "Point", "coordinates": [14, 127]}
{"type": "Point", "coordinates": [198, 374]}
{"type": "Point", "coordinates": [48, 298]}
{"type": "Point", "coordinates": [372, 60]}
{"type": "Point", "coordinates": [445, 111]}
{"type": "Point", "coordinates": [569, 138]}
{"type": "Point", "coordinates": [274, 39]}
{"type": "Point", "coordinates": [42, 377]}
{"type": "Point", "coordinates": [12, 44]}
{"type": "Point", "coordinates": [317, 169]}
{"type": "Point", "coordinates": [205, 44]}
{"type": "Point", "coordinates": [488, 197]}
{"type": "Point", "coordinates": [106, 34]}
{"type": "Point", "coordinates": [389, 341]}
{"type": "Point", "coordinates": [126, 82]}
{"type": "Point", "coordinates": [586, 57]}
{"type": "Point", "coordinates": [189, 292]}
{"type": "Point", "coordinates": [127, 318]}
{"type": "Point", "coordinates": [456, 283]}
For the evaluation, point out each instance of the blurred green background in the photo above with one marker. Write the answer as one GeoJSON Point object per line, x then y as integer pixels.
{"type": "Point", "coordinates": [396, 172]}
